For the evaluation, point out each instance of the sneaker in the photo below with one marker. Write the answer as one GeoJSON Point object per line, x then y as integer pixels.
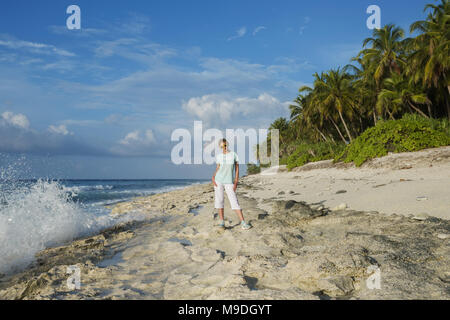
{"type": "Point", "coordinates": [245, 225]}
{"type": "Point", "coordinates": [221, 223]}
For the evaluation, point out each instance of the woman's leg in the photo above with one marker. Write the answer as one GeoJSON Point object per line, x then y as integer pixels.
{"type": "Point", "coordinates": [240, 214]}
{"type": "Point", "coordinates": [221, 215]}
{"type": "Point", "coordinates": [218, 199]}
{"type": "Point", "coordinates": [234, 203]}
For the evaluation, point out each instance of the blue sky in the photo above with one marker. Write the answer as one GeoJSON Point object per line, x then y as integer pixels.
{"type": "Point", "coordinates": [102, 102]}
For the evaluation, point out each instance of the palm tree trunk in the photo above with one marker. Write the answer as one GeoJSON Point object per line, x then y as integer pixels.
{"type": "Point", "coordinates": [345, 125]}
{"type": "Point", "coordinates": [448, 104]}
{"type": "Point", "coordinates": [374, 113]}
{"type": "Point", "coordinates": [390, 114]}
{"type": "Point", "coordinates": [417, 109]}
{"type": "Point", "coordinates": [323, 136]}
{"type": "Point", "coordinates": [339, 131]}
{"type": "Point", "coordinates": [377, 92]}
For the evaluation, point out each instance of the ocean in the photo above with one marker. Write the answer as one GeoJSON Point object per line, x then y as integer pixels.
{"type": "Point", "coordinates": [37, 214]}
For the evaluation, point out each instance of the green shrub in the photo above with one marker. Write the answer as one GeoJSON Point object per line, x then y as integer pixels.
{"type": "Point", "coordinates": [307, 152]}
{"type": "Point", "coordinates": [411, 133]}
{"type": "Point", "coordinates": [253, 169]}
{"type": "Point", "coordinates": [284, 160]}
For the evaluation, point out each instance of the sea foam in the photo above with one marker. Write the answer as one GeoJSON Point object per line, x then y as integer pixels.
{"type": "Point", "coordinates": [42, 214]}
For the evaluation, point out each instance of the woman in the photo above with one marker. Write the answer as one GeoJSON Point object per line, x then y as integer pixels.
{"type": "Point", "coordinates": [227, 163]}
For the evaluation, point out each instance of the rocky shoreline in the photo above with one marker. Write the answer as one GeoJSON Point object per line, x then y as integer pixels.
{"type": "Point", "coordinates": [293, 251]}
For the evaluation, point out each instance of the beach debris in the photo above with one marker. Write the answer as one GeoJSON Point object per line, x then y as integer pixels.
{"type": "Point", "coordinates": [421, 198]}
{"type": "Point", "coordinates": [317, 207]}
{"type": "Point", "coordinates": [342, 206]}
{"type": "Point", "coordinates": [262, 216]}
{"type": "Point", "coordinates": [341, 191]}
{"type": "Point", "coordinates": [421, 216]}
{"type": "Point", "coordinates": [443, 236]}
{"type": "Point", "coordinates": [281, 193]}
{"type": "Point", "coordinates": [292, 211]}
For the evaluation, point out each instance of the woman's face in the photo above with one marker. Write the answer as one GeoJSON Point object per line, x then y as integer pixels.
{"type": "Point", "coordinates": [223, 145]}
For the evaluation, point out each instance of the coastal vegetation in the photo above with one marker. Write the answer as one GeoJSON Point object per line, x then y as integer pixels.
{"type": "Point", "coordinates": [394, 96]}
{"type": "Point", "coordinates": [410, 133]}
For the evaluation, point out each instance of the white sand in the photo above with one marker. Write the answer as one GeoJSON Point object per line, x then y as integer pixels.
{"type": "Point", "coordinates": [422, 187]}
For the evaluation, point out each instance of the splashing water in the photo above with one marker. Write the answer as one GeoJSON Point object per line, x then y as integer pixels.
{"type": "Point", "coordinates": [39, 214]}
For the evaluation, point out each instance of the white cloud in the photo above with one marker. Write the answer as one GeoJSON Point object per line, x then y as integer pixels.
{"type": "Point", "coordinates": [82, 123]}
{"type": "Point", "coordinates": [286, 65]}
{"type": "Point", "coordinates": [136, 143]}
{"type": "Point", "coordinates": [258, 29]}
{"type": "Point", "coordinates": [239, 33]}
{"type": "Point", "coordinates": [136, 24]}
{"type": "Point", "coordinates": [61, 129]}
{"type": "Point", "coordinates": [134, 49]}
{"type": "Point", "coordinates": [136, 138]}
{"type": "Point", "coordinates": [232, 70]}
{"type": "Point", "coordinates": [17, 137]}
{"type": "Point", "coordinates": [130, 138]}
{"type": "Point", "coordinates": [83, 32]}
{"type": "Point", "coordinates": [218, 109]}
{"type": "Point", "coordinates": [17, 120]}
{"type": "Point", "coordinates": [143, 91]}
{"type": "Point", "coordinates": [157, 91]}
{"type": "Point", "coordinates": [108, 48]}
{"type": "Point", "coordinates": [306, 20]}
{"type": "Point", "coordinates": [39, 48]}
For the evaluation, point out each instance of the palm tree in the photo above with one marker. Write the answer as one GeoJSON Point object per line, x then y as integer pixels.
{"type": "Point", "coordinates": [398, 94]}
{"type": "Point", "coordinates": [386, 53]}
{"type": "Point", "coordinates": [333, 92]}
{"type": "Point", "coordinates": [365, 88]}
{"type": "Point", "coordinates": [282, 125]}
{"type": "Point", "coordinates": [311, 115]}
{"type": "Point", "coordinates": [429, 61]}
{"type": "Point", "coordinates": [297, 114]}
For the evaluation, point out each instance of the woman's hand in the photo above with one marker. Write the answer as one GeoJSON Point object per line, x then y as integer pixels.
{"type": "Point", "coordinates": [214, 182]}
{"type": "Point", "coordinates": [235, 186]}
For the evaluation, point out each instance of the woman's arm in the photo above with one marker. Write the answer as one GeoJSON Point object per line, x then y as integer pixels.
{"type": "Point", "coordinates": [214, 175]}
{"type": "Point", "coordinates": [236, 179]}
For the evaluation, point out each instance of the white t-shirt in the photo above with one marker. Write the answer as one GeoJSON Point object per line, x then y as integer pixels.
{"type": "Point", "coordinates": [225, 174]}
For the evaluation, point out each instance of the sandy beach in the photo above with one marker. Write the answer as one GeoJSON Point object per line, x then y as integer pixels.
{"type": "Point", "coordinates": [319, 232]}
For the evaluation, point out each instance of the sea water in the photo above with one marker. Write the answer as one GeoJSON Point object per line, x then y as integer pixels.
{"type": "Point", "coordinates": [37, 214]}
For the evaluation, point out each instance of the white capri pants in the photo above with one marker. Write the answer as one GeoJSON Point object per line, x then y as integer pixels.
{"type": "Point", "coordinates": [219, 197]}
